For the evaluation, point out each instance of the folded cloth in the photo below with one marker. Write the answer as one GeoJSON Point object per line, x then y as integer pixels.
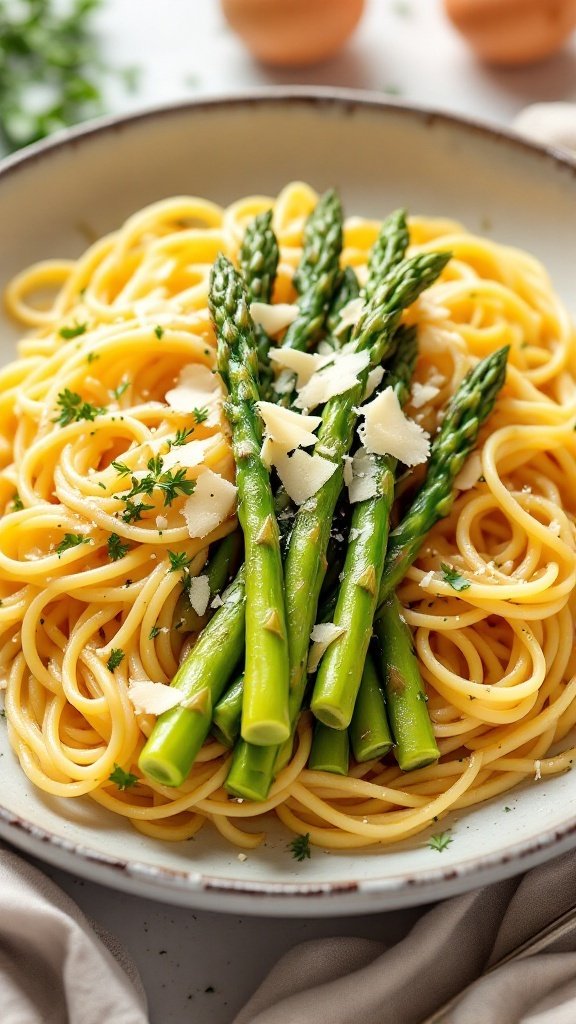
{"type": "Point", "coordinates": [53, 967]}
{"type": "Point", "coordinates": [450, 956]}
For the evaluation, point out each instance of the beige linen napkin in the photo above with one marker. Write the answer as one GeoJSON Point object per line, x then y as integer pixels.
{"type": "Point", "coordinates": [444, 959]}
{"type": "Point", "coordinates": [53, 967]}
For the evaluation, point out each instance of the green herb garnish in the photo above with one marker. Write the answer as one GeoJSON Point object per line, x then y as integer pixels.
{"type": "Point", "coordinates": [124, 780]}
{"type": "Point", "coordinates": [454, 578]}
{"type": "Point", "coordinates": [153, 632]}
{"type": "Point", "coordinates": [178, 561]}
{"type": "Point", "coordinates": [73, 408]}
{"type": "Point", "coordinates": [116, 547]}
{"type": "Point", "coordinates": [200, 415]}
{"type": "Point", "coordinates": [116, 656]}
{"type": "Point", "coordinates": [181, 438]}
{"type": "Point", "coordinates": [119, 391]}
{"type": "Point", "coordinates": [300, 847]}
{"type": "Point", "coordinates": [440, 842]}
{"type": "Point", "coordinates": [74, 331]}
{"type": "Point", "coordinates": [159, 331]}
{"type": "Point", "coordinates": [71, 540]}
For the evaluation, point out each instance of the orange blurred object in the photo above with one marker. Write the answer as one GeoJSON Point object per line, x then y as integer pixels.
{"type": "Point", "coordinates": [292, 33]}
{"type": "Point", "coordinates": [513, 32]}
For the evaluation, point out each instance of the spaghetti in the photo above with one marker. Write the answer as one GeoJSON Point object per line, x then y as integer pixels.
{"type": "Point", "coordinates": [88, 394]}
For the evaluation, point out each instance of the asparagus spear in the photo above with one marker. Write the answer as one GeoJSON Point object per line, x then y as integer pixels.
{"type": "Point", "coordinates": [322, 238]}
{"type": "Point", "coordinates": [346, 290]}
{"type": "Point", "coordinates": [415, 745]}
{"type": "Point", "coordinates": [305, 564]}
{"type": "Point", "coordinates": [228, 714]}
{"type": "Point", "coordinates": [265, 703]}
{"type": "Point", "coordinates": [340, 671]}
{"type": "Point", "coordinates": [369, 730]}
{"type": "Point", "coordinates": [330, 751]}
{"type": "Point", "coordinates": [259, 256]}
{"type": "Point", "coordinates": [468, 409]}
{"type": "Point", "coordinates": [177, 736]}
{"type": "Point", "coordinates": [387, 251]}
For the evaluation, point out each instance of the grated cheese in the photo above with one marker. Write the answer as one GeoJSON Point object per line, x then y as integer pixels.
{"type": "Point", "coordinates": [364, 483]}
{"type": "Point", "coordinates": [337, 378]}
{"type": "Point", "coordinates": [216, 601]}
{"type": "Point", "coordinates": [161, 523]}
{"type": "Point", "coordinates": [387, 431]}
{"type": "Point", "coordinates": [421, 394]}
{"type": "Point", "coordinates": [347, 470]}
{"type": "Point", "coordinates": [150, 698]}
{"type": "Point", "coordinates": [322, 635]}
{"type": "Point", "coordinates": [537, 771]}
{"type": "Point", "coordinates": [273, 317]}
{"type": "Point", "coordinates": [470, 473]}
{"type": "Point", "coordinates": [197, 388]}
{"type": "Point", "coordinates": [427, 579]}
{"type": "Point", "coordinates": [211, 503]}
{"type": "Point", "coordinates": [199, 593]}
{"type": "Point", "coordinates": [302, 474]}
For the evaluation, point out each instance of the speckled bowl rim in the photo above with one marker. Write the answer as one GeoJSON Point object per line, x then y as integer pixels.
{"type": "Point", "coordinates": [401, 890]}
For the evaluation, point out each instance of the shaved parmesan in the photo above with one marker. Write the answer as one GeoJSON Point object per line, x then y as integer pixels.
{"type": "Point", "coordinates": [350, 314]}
{"type": "Point", "coordinates": [470, 473]}
{"type": "Point", "coordinates": [422, 394]}
{"type": "Point", "coordinates": [427, 579]}
{"type": "Point", "coordinates": [387, 431]}
{"type": "Point", "coordinates": [199, 593]}
{"type": "Point", "coordinates": [335, 379]}
{"type": "Point", "coordinates": [216, 602]}
{"type": "Point", "coordinates": [302, 474]}
{"type": "Point", "coordinates": [161, 523]}
{"type": "Point", "coordinates": [149, 698]}
{"type": "Point", "coordinates": [287, 428]}
{"type": "Point", "coordinates": [347, 472]}
{"type": "Point", "coordinates": [197, 388]}
{"type": "Point", "coordinates": [322, 635]}
{"type": "Point", "coordinates": [303, 364]}
{"type": "Point", "coordinates": [364, 482]}
{"type": "Point", "coordinates": [188, 455]}
{"type": "Point", "coordinates": [273, 318]}
{"type": "Point", "coordinates": [213, 501]}
{"type": "Point", "coordinates": [374, 379]}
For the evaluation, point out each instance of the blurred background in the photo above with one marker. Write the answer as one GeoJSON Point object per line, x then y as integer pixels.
{"type": "Point", "coordinates": [62, 61]}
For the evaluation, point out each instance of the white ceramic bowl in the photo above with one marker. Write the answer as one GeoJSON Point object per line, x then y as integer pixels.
{"type": "Point", "coordinates": [379, 155]}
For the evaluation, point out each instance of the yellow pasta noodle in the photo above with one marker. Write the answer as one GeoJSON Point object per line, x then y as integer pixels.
{"type": "Point", "coordinates": [116, 327]}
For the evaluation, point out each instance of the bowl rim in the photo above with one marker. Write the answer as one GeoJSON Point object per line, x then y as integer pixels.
{"type": "Point", "coordinates": [36, 839]}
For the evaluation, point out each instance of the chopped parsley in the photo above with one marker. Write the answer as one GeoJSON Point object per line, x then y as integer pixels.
{"type": "Point", "coordinates": [17, 503]}
{"type": "Point", "coordinates": [440, 841]}
{"type": "Point", "coordinates": [124, 780]}
{"type": "Point", "coordinates": [121, 468]}
{"type": "Point", "coordinates": [71, 540]}
{"type": "Point", "coordinates": [181, 438]}
{"type": "Point", "coordinates": [116, 657]}
{"type": "Point", "coordinates": [178, 561]}
{"type": "Point", "coordinates": [116, 547]}
{"type": "Point", "coordinates": [73, 408]}
{"type": "Point", "coordinates": [153, 632]}
{"type": "Point", "coordinates": [454, 578]}
{"type": "Point", "coordinates": [300, 847]}
{"type": "Point", "coordinates": [91, 357]}
{"type": "Point", "coordinates": [159, 331]}
{"type": "Point", "coordinates": [133, 511]}
{"type": "Point", "coordinates": [74, 331]}
{"type": "Point", "coordinates": [200, 415]}
{"type": "Point", "coordinates": [170, 482]}
{"type": "Point", "coordinates": [119, 391]}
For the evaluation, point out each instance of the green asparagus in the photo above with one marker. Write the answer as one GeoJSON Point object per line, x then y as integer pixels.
{"type": "Point", "coordinates": [177, 736]}
{"type": "Point", "coordinates": [265, 703]}
{"type": "Point", "coordinates": [469, 407]}
{"type": "Point", "coordinates": [340, 671]}
{"type": "Point", "coordinates": [369, 731]}
{"type": "Point", "coordinates": [330, 751]}
{"type": "Point", "coordinates": [414, 742]}
{"type": "Point", "coordinates": [259, 256]}
{"type": "Point", "coordinates": [228, 714]}
{"type": "Point", "coordinates": [322, 238]}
